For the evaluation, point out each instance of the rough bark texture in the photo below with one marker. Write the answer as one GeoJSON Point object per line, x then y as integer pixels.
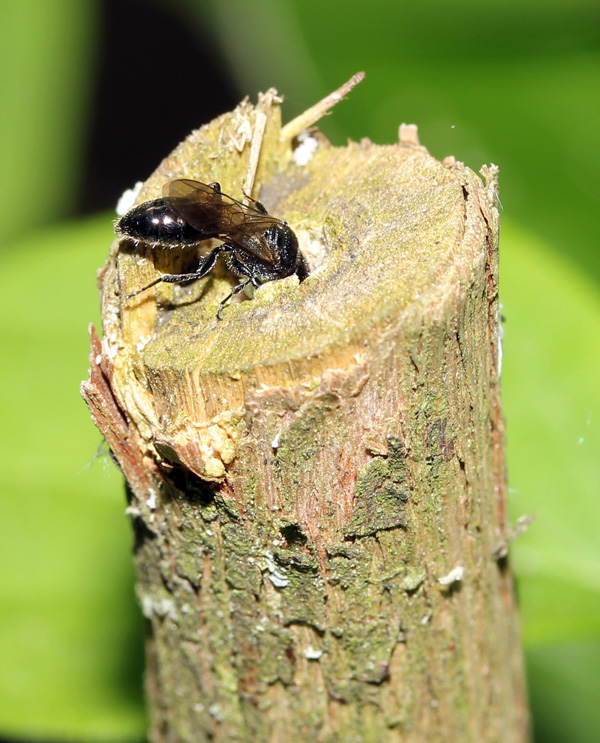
{"type": "Point", "coordinates": [317, 482]}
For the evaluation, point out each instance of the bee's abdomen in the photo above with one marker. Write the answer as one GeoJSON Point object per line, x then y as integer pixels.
{"type": "Point", "coordinates": [156, 222]}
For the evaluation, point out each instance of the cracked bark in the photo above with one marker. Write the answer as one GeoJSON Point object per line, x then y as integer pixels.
{"type": "Point", "coordinates": [317, 483]}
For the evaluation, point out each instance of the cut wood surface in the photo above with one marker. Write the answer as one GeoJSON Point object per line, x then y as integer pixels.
{"type": "Point", "coordinates": [317, 481]}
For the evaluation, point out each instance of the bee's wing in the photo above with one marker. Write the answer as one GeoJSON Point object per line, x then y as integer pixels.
{"type": "Point", "coordinates": [216, 214]}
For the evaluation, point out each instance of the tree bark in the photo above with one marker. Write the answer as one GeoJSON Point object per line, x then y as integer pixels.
{"type": "Point", "coordinates": [317, 482]}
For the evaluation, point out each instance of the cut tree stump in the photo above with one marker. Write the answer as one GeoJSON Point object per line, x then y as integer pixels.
{"type": "Point", "coordinates": [317, 482]}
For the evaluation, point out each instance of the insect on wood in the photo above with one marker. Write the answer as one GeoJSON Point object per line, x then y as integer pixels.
{"type": "Point", "coordinates": [257, 247]}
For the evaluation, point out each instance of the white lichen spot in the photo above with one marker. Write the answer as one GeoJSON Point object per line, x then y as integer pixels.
{"type": "Point", "coordinates": [215, 711]}
{"type": "Point", "coordinates": [277, 575]}
{"type": "Point", "coordinates": [312, 654]}
{"type": "Point", "coordinates": [142, 343]}
{"type": "Point", "coordinates": [151, 500]}
{"type": "Point", "coordinates": [279, 580]}
{"type": "Point", "coordinates": [307, 146]}
{"type": "Point", "coordinates": [162, 608]}
{"type": "Point", "coordinates": [147, 606]}
{"type": "Point", "coordinates": [127, 198]}
{"type": "Point", "coordinates": [454, 576]}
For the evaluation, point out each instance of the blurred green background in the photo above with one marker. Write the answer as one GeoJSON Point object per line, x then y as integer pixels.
{"type": "Point", "coordinates": [92, 95]}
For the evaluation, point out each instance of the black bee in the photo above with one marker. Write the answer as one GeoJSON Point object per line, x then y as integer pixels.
{"type": "Point", "coordinates": [257, 247]}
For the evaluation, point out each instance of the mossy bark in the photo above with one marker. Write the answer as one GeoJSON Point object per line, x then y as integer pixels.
{"type": "Point", "coordinates": [317, 482]}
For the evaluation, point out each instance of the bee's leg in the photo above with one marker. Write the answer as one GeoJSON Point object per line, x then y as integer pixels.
{"type": "Point", "coordinates": [239, 288]}
{"type": "Point", "coordinates": [244, 271]}
{"type": "Point", "coordinates": [259, 206]}
{"type": "Point", "coordinates": [206, 265]}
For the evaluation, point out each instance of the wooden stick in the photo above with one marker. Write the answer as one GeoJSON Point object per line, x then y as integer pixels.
{"type": "Point", "coordinates": [314, 113]}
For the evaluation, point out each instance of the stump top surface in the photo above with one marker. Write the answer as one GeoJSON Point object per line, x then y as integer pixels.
{"type": "Point", "coordinates": [386, 226]}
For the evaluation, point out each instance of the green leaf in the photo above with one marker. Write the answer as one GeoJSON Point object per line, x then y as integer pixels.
{"type": "Point", "coordinates": [46, 55]}
{"type": "Point", "coordinates": [70, 633]}
{"type": "Point", "coordinates": [565, 688]}
{"type": "Point", "coordinates": [552, 406]}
